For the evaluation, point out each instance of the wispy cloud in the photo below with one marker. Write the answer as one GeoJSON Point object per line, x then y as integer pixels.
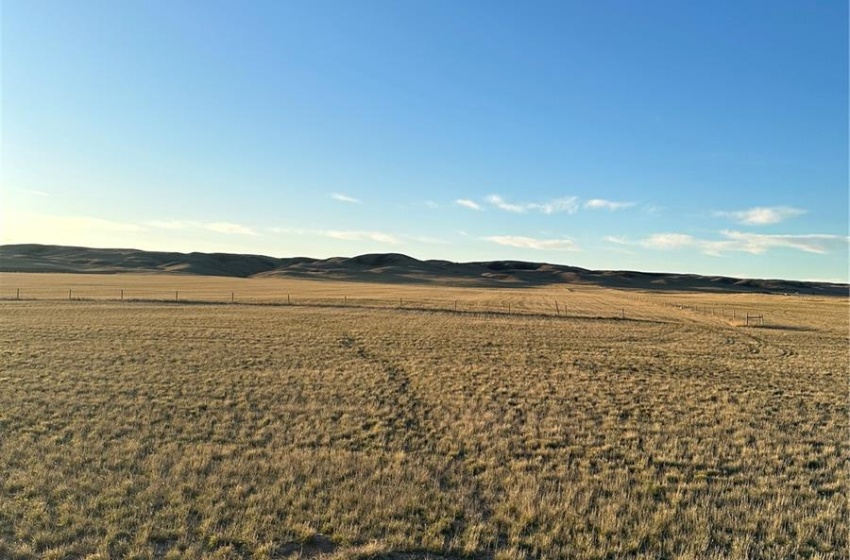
{"type": "Point", "coordinates": [740, 242]}
{"type": "Point", "coordinates": [171, 224]}
{"type": "Point", "coordinates": [87, 223]}
{"type": "Point", "coordinates": [429, 240]}
{"type": "Point", "coordinates": [343, 235]}
{"type": "Point", "coordinates": [810, 243]}
{"type": "Point", "coordinates": [378, 236]}
{"type": "Point", "coordinates": [667, 241]}
{"type": "Point", "coordinates": [26, 227]}
{"type": "Point", "coordinates": [466, 203]}
{"type": "Point", "coordinates": [229, 228]}
{"type": "Point", "coordinates": [217, 227]}
{"type": "Point", "coordinates": [345, 198]}
{"type": "Point", "coordinates": [287, 231]}
{"type": "Point", "coordinates": [602, 204]}
{"type": "Point", "coordinates": [532, 243]}
{"type": "Point", "coordinates": [35, 192]}
{"type": "Point", "coordinates": [501, 204]}
{"type": "Point", "coordinates": [762, 215]}
{"type": "Point", "coordinates": [566, 204]}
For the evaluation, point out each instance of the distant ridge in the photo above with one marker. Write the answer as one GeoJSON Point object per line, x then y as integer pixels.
{"type": "Point", "coordinates": [379, 267]}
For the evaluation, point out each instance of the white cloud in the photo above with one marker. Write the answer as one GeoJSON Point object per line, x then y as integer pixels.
{"type": "Point", "coordinates": [344, 235]}
{"type": "Point", "coordinates": [362, 236]}
{"type": "Point", "coordinates": [282, 231]}
{"type": "Point", "coordinates": [85, 222]}
{"type": "Point", "coordinates": [809, 243]}
{"type": "Point", "coordinates": [35, 192]}
{"type": "Point", "coordinates": [532, 243]}
{"type": "Point", "coordinates": [429, 240]}
{"type": "Point", "coordinates": [566, 204]}
{"type": "Point", "coordinates": [740, 242]}
{"type": "Point", "coordinates": [25, 227]}
{"type": "Point", "coordinates": [602, 204]}
{"type": "Point", "coordinates": [762, 215]}
{"type": "Point", "coordinates": [345, 198]}
{"type": "Point", "coordinates": [229, 228]}
{"type": "Point", "coordinates": [218, 227]}
{"type": "Point", "coordinates": [500, 203]}
{"type": "Point", "coordinates": [667, 241]}
{"type": "Point", "coordinates": [468, 204]}
{"type": "Point", "coordinates": [170, 224]}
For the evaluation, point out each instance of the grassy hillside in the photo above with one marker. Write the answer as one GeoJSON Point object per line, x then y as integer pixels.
{"type": "Point", "coordinates": [384, 268]}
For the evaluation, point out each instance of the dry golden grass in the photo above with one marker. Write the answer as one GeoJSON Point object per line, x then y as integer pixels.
{"type": "Point", "coordinates": [163, 430]}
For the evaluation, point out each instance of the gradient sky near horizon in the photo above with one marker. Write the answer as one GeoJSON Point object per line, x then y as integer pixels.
{"type": "Point", "coordinates": [703, 137]}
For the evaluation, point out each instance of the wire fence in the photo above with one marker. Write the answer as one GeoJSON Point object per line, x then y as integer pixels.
{"type": "Point", "coordinates": [569, 306]}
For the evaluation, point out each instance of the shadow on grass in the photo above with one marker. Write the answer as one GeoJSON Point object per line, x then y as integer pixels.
{"type": "Point", "coordinates": [321, 547]}
{"type": "Point", "coordinates": [795, 328]}
{"type": "Point", "coordinates": [406, 308]}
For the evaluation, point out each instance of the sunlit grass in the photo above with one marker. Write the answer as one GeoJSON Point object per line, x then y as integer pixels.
{"type": "Point", "coordinates": [220, 431]}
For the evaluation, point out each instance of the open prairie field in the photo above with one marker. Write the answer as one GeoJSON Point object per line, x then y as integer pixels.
{"type": "Point", "coordinates": [374, 421]}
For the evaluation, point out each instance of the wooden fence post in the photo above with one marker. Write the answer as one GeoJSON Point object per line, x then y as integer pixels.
{"type": "Point", "coordinates": [18, 293]}
{"type": "Point", "coordinates": [557, 308]}
{"type": "Point", "coordinates": [122, 295]}
{"type": "Point", "coordinates": [176, 295]}
{"type": "Point", "coordinates": [232, 297]}
{"type": "Point", "coordinates": [69, 295]}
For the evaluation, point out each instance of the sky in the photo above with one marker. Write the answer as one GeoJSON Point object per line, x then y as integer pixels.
{"type": "Point", "coordinates": [698, 137]}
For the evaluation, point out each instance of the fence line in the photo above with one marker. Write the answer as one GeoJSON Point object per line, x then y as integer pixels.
{"type": "Point", "coordinates": [550, 307]}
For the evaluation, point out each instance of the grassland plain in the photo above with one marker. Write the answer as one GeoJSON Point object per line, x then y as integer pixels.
{"type": "Point", "coordinates": [172, 430]}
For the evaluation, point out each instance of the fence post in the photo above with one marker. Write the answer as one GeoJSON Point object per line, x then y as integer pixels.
{"type": "Point", "coordinates": [69, 295]}
{"type": "Point", "coordinates": [18, 293]}
{"type": "Point", "coordinates": [176, 295]}
{"type": "Point", "coordinates": [122, 295]}
{"type": "Point", "coordinates": [509, 308]}
{"type": "Point", "coordinates": [455, 305]}
{"type": "Point", "coordinates": [557, 308]}
{"type": "Point", "coordinates": [232, 297]}
{"type": "Point", "coordinates": [288, 301]}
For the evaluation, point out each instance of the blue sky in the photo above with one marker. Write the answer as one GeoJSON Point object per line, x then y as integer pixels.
{"type": "Point", "coordinates": [705, 137]}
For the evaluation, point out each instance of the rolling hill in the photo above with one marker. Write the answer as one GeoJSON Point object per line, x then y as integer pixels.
{"type": "Point", "coordinates": [383, 267]}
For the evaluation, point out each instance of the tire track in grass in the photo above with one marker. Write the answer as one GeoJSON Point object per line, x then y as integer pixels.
{"type": "Point", "coordinates": [409, 420]}
{"type": "Point", "coordinates": [394, 395]}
